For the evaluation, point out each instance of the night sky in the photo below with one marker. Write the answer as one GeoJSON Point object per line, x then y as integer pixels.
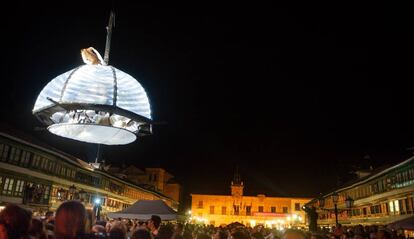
{"type": "Point", "coordinates": [295, 96]}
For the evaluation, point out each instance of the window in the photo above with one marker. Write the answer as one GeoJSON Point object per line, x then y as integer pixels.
{"type": "Point", "coordinates": [200, 204]}
{"type": "Point", "coordinates": [8, 186]}
{"type": "Point", "coordinates": [4, 151]}
{"type": "Point", "coordinates": [25, 159]}
{"type": "Point", "coordinates": [14, 155]}
{"type": "Point", "coordinates": [36, 161]}
{"type": "Point", "coordinates": [44, 163]}
{"type": "Point", "coordinates": [297, 206]}
{"type": "Point", "coordinates": [51, 166]}
{"type": "Point", "coordinates": [248, 210]}
{"type": "Point", "coordinates": [396, 206]}
{"type": "Point", "coordinates": [19, 188]}
{"type": "Point", "coordinates": [391, 206]}
{"type": "Point", "coordinates": [260, 208]}
{"type": "Point", "coordinates": [211, 209]}
{"type": "Point", "coordinates": [285, 210]}
{"type": "Point", "coordinates": [223, 210]}
{"type": "Point", "coordinates": [57, 170]}
{"type": "Point", "coordinates": [236, 209]}
{"type": "Point", "coordinates": [273, 209]}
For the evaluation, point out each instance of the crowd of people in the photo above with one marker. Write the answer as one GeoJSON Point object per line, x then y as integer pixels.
{"type": "Point", "coordinates": [72, 221]}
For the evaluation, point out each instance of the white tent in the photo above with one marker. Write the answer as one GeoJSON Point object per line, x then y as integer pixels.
{"type": "Point", "coordinates": [144, 209]}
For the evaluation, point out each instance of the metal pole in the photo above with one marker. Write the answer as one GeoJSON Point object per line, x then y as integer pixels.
{"type": "Point", "coordinates": [97, 153]}
{"type": "Point", "coordinates": [111, 24]}
{"type": "Point", "coordinates": [336, 215]}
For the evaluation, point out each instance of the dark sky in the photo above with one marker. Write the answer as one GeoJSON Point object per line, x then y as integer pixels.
{"type": "Point", "coordinates": [294, 95]}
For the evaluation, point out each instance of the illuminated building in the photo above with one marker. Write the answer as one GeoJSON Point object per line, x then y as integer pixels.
{"type": "Point", "coordinates": [278, 212]}
{"type": "Point", "coordinates": [383, 196]}
{"type": "Point", "coordinates": [39, 177]}
{"type": "Point", "coordinates": [157, 179]}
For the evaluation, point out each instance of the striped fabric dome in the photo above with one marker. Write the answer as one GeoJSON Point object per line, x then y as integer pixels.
{"type": "Point", "coordinates": [95, 104]}
{"type": "Point", "coordinates": [96, 84]}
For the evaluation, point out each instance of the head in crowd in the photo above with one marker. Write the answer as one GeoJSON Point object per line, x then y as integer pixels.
{"type": "Point", "coordinates": [16, 221]}
{"type": "Point", "coordinates": [37, 229]}
{"type": "Point", "coordinates": [383, 234]}
{"type": "Point", "coordinates": [293, 234]}
{"type": "Point", "coordinates": [141, 234]}
{"type": "Point", "coordinates": [117, 232]}
{"type": "Point", "coordinates": [156, 221]}
{"type": "Point", "coordinates": [165, 232]}
{"type": "Point", "coordinates": [318, 236]}
{"type": "Point", "coordinates": [203, 236]}
{"type": "Point", "coordinates": [179, 228]}
{"type": "Point", "coordinates": [257, 235]}
{"type": "Point", "coordinates": [98, 229]}
{"type": "Point", "coordinates": [70, 220]}
{"type": "Point", "coordinates": [239, 235]}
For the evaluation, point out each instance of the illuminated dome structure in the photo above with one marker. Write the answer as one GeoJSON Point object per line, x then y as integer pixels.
{"type": "Point", "coordinates": [96, 104]}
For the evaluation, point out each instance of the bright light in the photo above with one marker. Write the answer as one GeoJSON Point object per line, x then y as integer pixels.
{"type": "Point", "coordinates": [97, 201]}
{"type": "Point", "coordinates": [300, 218]}
{"type": "Point", "coordinates": [189, 212]}
{"type": "Point", "coordinates": [252, 223]}
{"type": "Point", "coordinates": [269, 223]}
{"type": "Point", "coordinates": [288, 218]}
{"type": "Point", "coordinates": [295, 216]}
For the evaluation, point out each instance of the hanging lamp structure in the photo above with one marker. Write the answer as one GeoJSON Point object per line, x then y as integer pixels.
{"type": "Point", "coordinates": [95, 103]}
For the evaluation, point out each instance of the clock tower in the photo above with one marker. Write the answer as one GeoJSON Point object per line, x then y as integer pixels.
{"type": "Point", "coordinates": [237, 185]}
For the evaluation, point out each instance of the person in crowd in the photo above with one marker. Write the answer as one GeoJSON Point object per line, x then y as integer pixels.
{"type": "Point", "coordinates": [318, 236]}
{"type": "Point", "coordinates": [70, 220]}
{"type": "Point", "coordinates": [239, 235]}
{"type": "Point", "coordinates": [220, 234]}
{"type": "Point", "coordinates": [117, 233]}
{"type": "Point", "coordinates": [15, 222]}
{"type": "Point", "coordinates": [166, 231]}
{"type": "Point", "coordinates": [203, 236]}
{"type": "Point", "coordinates": [141, 234]}
{"type": "Point", "coordinates": [37, 229]}
{"type": "Point", "coordinates": [49, 217]}
{"type": "Point", "coordinates": [118, 230]}
{"type": "Point", "coordinates": [98, 229]}
{"type": "Point", "coordinates": [178, 231]}
{"type": "Point", "coordinates": [383, 234]}
{"type": "Point", "coordinates": [257, 235]}
{"type": "Point", "coordinates": [293, 234]}
{"type": "Point", "coordinates": [153, 224]}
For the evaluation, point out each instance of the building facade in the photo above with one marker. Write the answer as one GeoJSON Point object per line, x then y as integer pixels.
{"type": "Point", "coordinates": [278, 212]}
{"type": "Point", "coordinates": [382, 197]}
{"type": "Point", "coordinates": [157, 179]}
{"type": "Point", "coordinates": [39, 177]}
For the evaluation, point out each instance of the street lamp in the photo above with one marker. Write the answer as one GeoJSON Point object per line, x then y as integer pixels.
{"type": "Point", "coordinates": [60, 193]}
{"type": "Point", "coordinates": [335, 198]}
{"type": "Point", "coordinates": [349, 202]}
{"type": "Point", "coordinates": [97, 208]}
